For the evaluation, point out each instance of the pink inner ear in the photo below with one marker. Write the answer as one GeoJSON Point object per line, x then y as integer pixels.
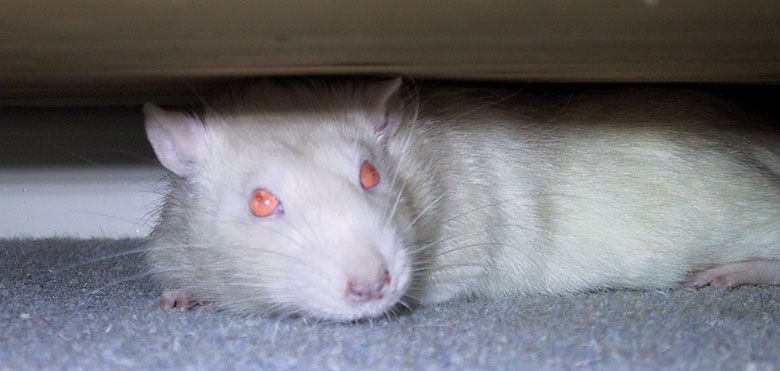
{"type": "Point", "coordinates": [385, 106]}
{"type": "Point", "coordinates": [175, 138]}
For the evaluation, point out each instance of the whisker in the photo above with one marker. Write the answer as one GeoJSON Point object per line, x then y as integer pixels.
{"type": "Point", "coordinates": [490, 103]}
{"type": "Point", "coordinates": [203, 102]}
{"type": "Point", "coordinates": [425, 210]}
{"type": "Point", "coordinates": [297, 243]}
{"type": "Point", "coordinates": [311, 237]}
{"type": "Point", "coordinates": [133, 222]}
{"type": "Point", "coordinates": [133, 154]}
{"type": "Point", "coordinates": [429, 244]}
{"type": "Point", "coordinates": [410, 294]}
{"type": "Point", "coordinates": [454, 281]}
{"type": "Point", "coordinates": [301, 234]}
{"type": "Point", "coordinates": [440, 253]}
{"type": "Point", "coordinates": [403, 303]}
{"type": "Point", "coordinates": [255, 250]}
{"type": "Point", "coordinates": [397, 200]}
{"type": "Point", "coordinates": [445, 221]}
{"type": "Point", "coordinates": [123, 280]}
{"type": "Point", "coordinates": [398, 171]}
{"type": "Point", "coordinates": [78, 156]}
{"type": "Point", "coordinates": [102, 258]}
{"type": "Point", "coordinates": [449, 266]}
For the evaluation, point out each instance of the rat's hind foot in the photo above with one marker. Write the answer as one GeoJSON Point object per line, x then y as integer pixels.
{"type": "Point", "coordinates": [176, 298]}
{"type": "Point", "coordinates": [756, 272]}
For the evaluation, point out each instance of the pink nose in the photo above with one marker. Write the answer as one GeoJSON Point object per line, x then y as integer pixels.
{"type": "Point", "coordinates": [365, 290]}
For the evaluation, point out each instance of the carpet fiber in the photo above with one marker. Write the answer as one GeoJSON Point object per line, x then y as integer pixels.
{"type": "Point", "coordinates": [98, 314]}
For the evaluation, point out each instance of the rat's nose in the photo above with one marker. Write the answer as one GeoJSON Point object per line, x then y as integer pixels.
{"type": "Point", "coordinates": [362, 290]}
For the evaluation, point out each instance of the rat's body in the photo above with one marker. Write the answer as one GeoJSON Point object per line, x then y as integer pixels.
{"type": "Point", "coordinates": [475, 196]}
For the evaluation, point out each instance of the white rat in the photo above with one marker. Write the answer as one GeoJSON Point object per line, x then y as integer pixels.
{"type": "Point", "coordinates": [342, 200]}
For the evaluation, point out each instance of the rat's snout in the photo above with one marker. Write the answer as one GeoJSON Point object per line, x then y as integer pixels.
{"type": "Point", "coordinates": [361, 290]}
{"type": "Point", "coordinates": [366, 277]}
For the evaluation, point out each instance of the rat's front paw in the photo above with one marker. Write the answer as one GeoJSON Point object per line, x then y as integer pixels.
{"type": "Point", "coordinates": [176, 298]}
{"type": "Point", "coordinates": [756, 272]}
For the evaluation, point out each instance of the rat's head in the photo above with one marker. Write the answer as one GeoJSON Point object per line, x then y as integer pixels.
{"type": "Point", "coordinates": [289, 199]}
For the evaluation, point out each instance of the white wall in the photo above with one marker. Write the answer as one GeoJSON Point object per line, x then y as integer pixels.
{"type": "Point", "coordinates": [76, 172]}
{"type": "Point", "coordinates": [77, 202]}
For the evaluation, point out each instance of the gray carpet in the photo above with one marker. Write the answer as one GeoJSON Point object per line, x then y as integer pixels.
{"type": "Point", "coordinates": [92, 317]}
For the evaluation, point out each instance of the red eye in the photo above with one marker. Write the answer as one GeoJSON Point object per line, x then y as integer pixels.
{"type": "Point", "coordinates": [263, 203]}
{"type": "Point", "coordinates": [369, 176]}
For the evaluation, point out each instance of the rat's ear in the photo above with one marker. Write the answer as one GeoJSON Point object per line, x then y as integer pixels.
{"type": "Point", "coordinates": [175, 138]}
{"type": "Point", "coordinates": [384, 105]}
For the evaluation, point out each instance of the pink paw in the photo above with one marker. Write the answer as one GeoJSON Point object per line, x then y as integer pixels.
{"type": "Point", "coordinates": [752, 272]}
{"type": "Point", "coordinates": [176, 298]}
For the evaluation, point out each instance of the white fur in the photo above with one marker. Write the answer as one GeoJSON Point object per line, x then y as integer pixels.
{"type": "Point", "coordinates": [478, 196]}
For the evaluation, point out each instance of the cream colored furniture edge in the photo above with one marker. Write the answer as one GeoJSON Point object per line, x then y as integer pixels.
{"type": "Point", "coordinates": [121, 52]}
